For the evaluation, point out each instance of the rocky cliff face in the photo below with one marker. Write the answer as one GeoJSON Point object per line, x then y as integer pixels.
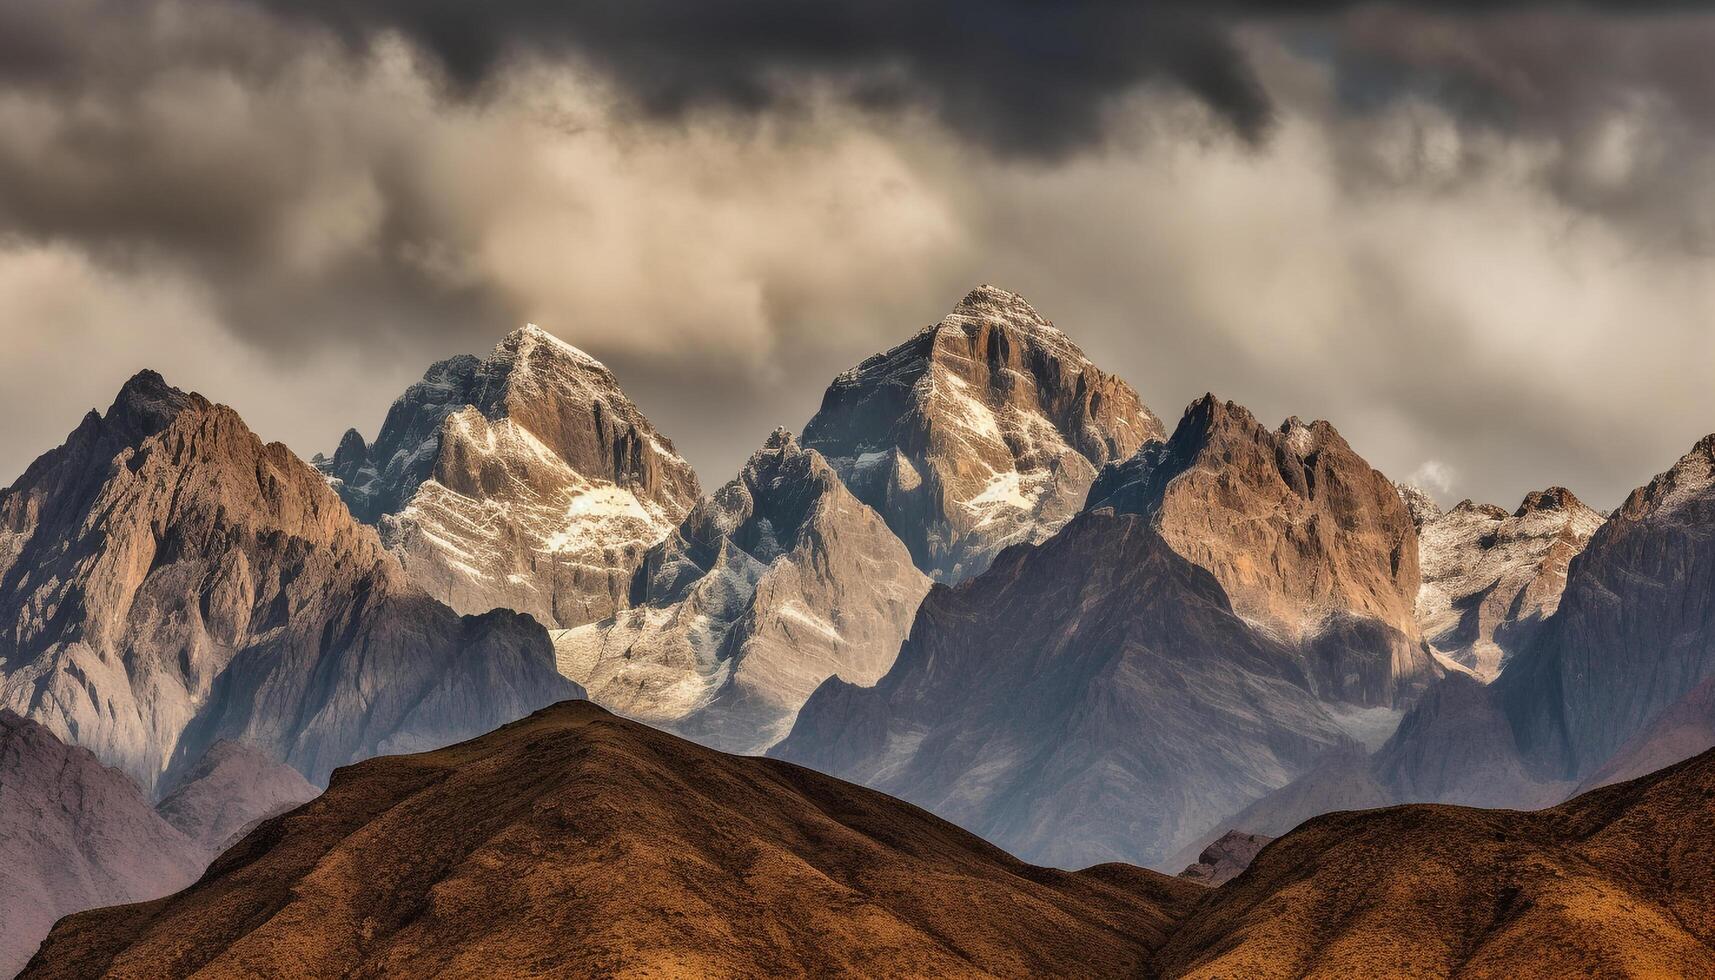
{"type": "Point", "coordinates": [74, 835]}
{"type": "Point", "coordinates": [1685, 729]}
{"type": "Point", "coordinates": [781, 581]}
{"type": "Point", "coordinates": [228, 790]}
{"type": "Point", "coordinates": [167, 580]}
{"type": "Point", "coordinates": [525, 480]}
{"type": "Point", "coordinates": [1092, 698]}
{"type": "Point", "coordinates": [982, 431]}
{"type": "Point", "coordinates": [1490, 578]}
{"type": "Point", "coordinates": [1311, 543]}
{"type": "Point", "coordinates": [574, 843]}
{"type": "Point", "coordinates": [1613, 684]}
{"type": "Point", "coordinates": [1635, 631]}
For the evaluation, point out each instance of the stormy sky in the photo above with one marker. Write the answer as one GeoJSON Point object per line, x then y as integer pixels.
{"type": "Point", "coordinates": [1478, 238]}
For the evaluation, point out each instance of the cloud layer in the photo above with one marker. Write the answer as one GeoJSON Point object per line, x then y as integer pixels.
{"type": "Point", "coordinates": [1483, 240]}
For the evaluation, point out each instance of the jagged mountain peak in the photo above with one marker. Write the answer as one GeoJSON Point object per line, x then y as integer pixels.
{"type": "Point", "coordinates": [780, 580]}
{"type": "Point", "coordinates": [983, 430]}
{"type": "Point", "coordinates": [1550, 498]}
{"type": "Point", "coordinates": [1489, 576]}
{"type": "Point", "coordinates": [148, 395]}
{"type": "Point", "coordinates": [1419, 504]}
{"type": "Point", "coordinates": [532, 346]}
{"type": "Point", "coordinates": [1469, 506]}
{"type": "Point", "coordinates": [1691, 478]}
{"type": "Point", "coordinates": [525, 480]}
{"type": "Point", "coordinates": [995, 306]}
{"type": "Point", "coordinates": [1209, 417]}
{"type": "Point", "coordinates": [163, 592]}
{"type": "Point", "coordinates": [350, 444]}
{"type": "Point", "coordinates": [1309, 540]}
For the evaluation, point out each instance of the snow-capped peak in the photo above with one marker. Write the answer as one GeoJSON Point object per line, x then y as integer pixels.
{"type": "Point", "coordinates": [524, 341]}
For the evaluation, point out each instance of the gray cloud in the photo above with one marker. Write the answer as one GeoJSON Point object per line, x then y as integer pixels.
{"type": "Point", "coordinates": [297, 220]}
{"type": "Point", "coordinates": [1020, 76]}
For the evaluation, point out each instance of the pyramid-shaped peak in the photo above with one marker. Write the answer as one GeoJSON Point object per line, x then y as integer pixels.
{"type": "Point", "coordinates": [989, 296]}
{"type": "Point", "coordinates": [530, 340]}
{"type": "Point", "coordinates": [147, 402]}
{"type": "Point", "coordinates": [988, 303]}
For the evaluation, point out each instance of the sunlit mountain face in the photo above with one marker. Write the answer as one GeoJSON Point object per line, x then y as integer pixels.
{"type": "Point", "coordinates": [767, 488]}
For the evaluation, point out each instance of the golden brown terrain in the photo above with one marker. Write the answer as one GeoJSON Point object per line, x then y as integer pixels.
{"type": "Point", "coordinates": [577, 843]}
{"type": "Point", "coordinates": [1619, 882]}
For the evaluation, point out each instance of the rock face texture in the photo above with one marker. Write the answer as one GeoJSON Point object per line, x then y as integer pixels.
{"type": "Point", "coordinates": [1618, 882]}
{"type": "Point", "coordinates": [166, 580]}
{"type": "Point", "coordinates": [525, 480]}
{"type": "Point", "coordinates": [1310, 543]}
{"type": "Point", "coordinates": [230, 788]}
{"type": "Point", "coordinates": [1092, 698]}
{"type": "Point", "coordinates": [1226, 858]}
{"type": "Point", "coordinates": [1682, 731]}
{"type": "Point", "coordinates": [982, 431]}
{"type": "Point", "coordinates": [783, 580]}
{"type": "Point", "coordinates": [1490, 578]}
{"type": "Point", "coordinates": [1635, 631]}
{"type": "Point", "coordinates": [575, 843]}
{"type": "Point", "coordinates": [74, 834]}
{"type": "Point", "coordinates": [1613, 684]}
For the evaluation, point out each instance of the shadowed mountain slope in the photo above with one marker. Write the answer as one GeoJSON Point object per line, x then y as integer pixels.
{"type": "Point", "coordinates": [74, 834]}
{"type": "Point", "coordinates": [1094, 698]}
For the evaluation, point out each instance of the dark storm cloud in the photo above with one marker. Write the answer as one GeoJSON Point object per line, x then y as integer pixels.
{"type": "Point", "coordinates": [1022, 76]}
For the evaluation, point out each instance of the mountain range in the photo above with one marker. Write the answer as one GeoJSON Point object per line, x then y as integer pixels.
{"type": "Point", "coordinates": [985, 580]}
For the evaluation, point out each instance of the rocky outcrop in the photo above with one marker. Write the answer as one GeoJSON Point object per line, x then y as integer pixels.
{"type": "Point", "coordinates": [74, 835]}
{"type": "Point", "coordinates": [167, 580]}
{"type": "Point", "coordinates": [1225, 858]}
{"type": "Point", "coordinates": [228, 790]}
{"type": "Point", "coordinates": [781, 581]}
{"type": "Point", "coordinates": [982, 431]}
{"type": "Point", "coordinates": [1490, 578]}
{"type": "Point", "coordinates": [575, 843]}
{"type": "Point", "coordinates": [526, 480]}
{"type": "Point", "coordinates": [1635, 631]}
{"type": "Point", "coordinates": [1092, 698]}
{"type": "Point", "coordinates": [1618, 882]}
{"type": "Point", "coordinates": [1310, 542]}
